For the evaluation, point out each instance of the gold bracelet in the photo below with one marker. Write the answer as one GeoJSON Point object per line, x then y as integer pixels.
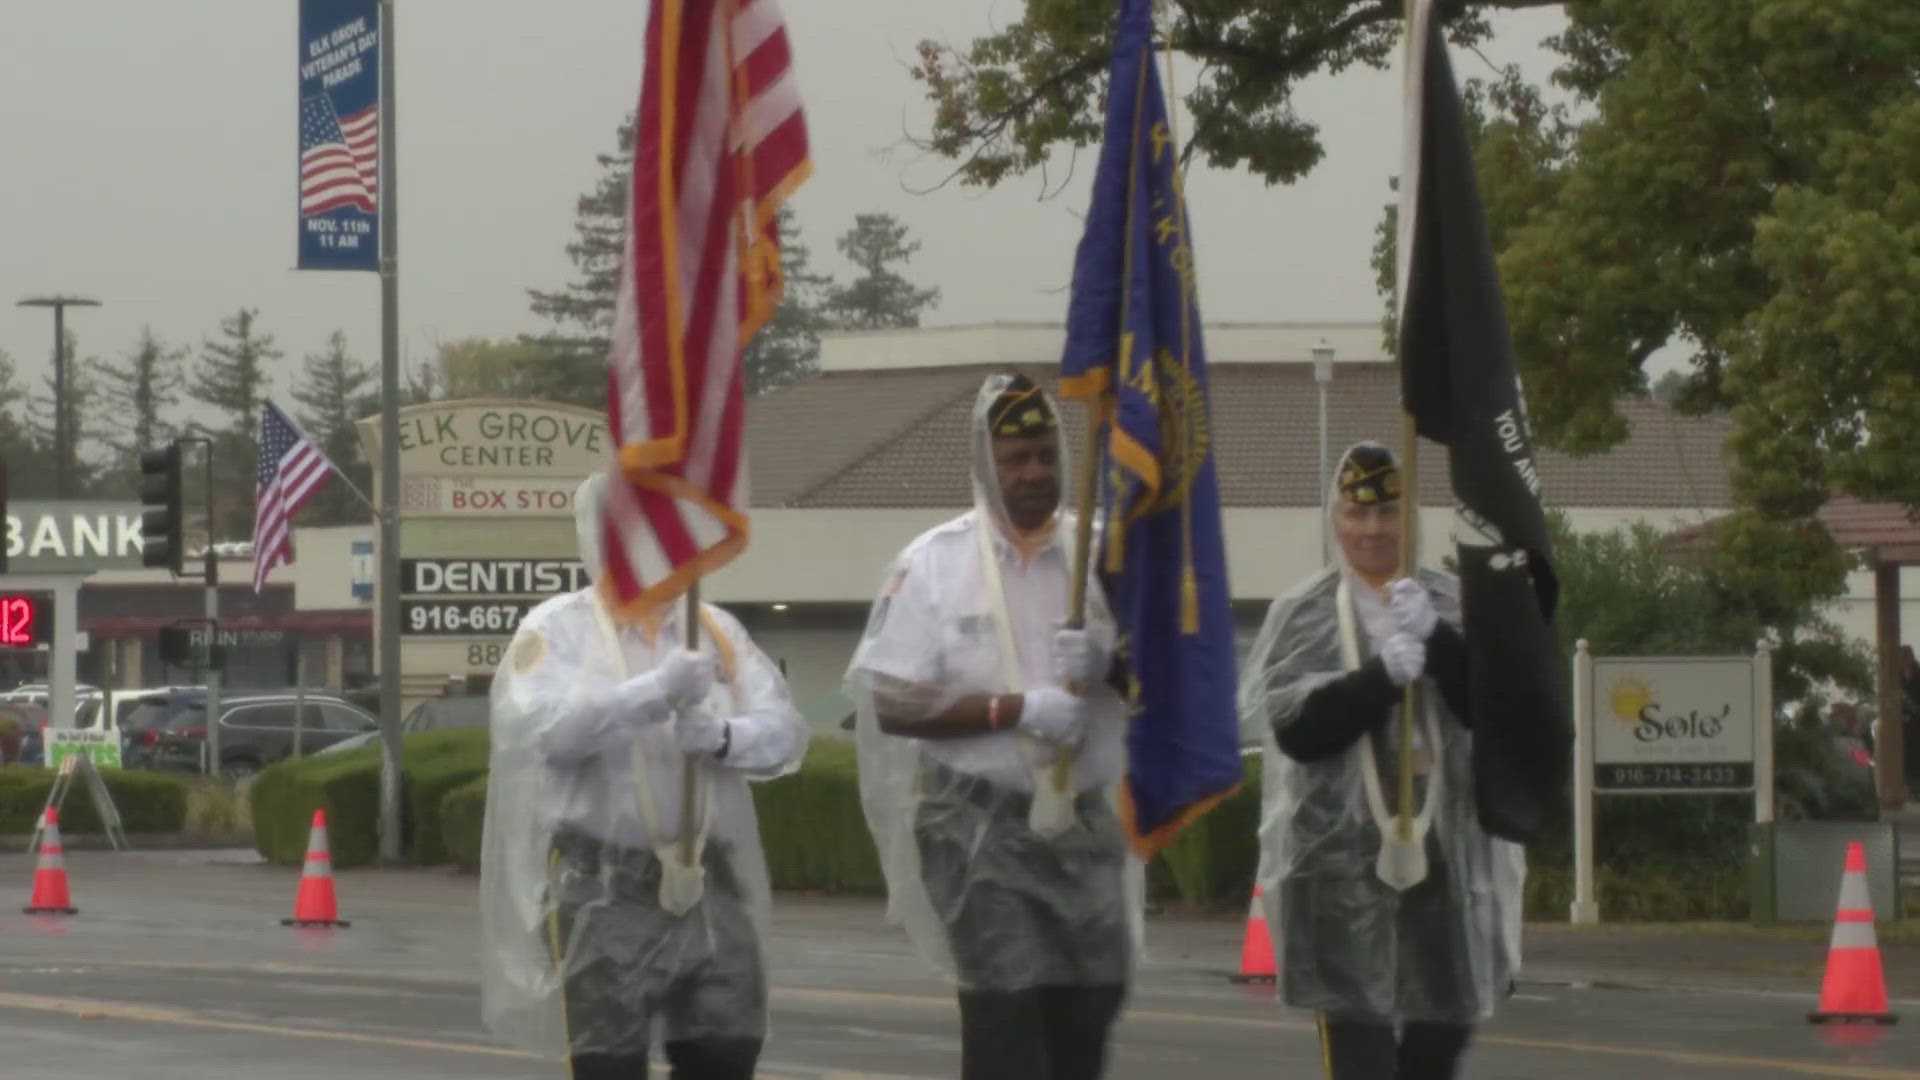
{"type": "Point", "coordinates": [993, 713]}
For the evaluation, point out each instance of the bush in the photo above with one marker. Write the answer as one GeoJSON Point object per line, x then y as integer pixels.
{"type": "Point", "coordinates": [462, 820]}
{"type": "Point", "coordinates": [148, 802]}
{"type": "Point", "coordinates": [347, 785]}
{"type": "Point", "coordinates": [1212, 861]}
{"type": "Point", "coordinates": [812, 827]}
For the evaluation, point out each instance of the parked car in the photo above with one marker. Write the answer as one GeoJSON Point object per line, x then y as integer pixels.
{"type": "Point", "coordinates": [463, 711]}
{"type": "Point", "coordinates": [256, 729]}
{"type": "Point", "coordinates": [20, 738]}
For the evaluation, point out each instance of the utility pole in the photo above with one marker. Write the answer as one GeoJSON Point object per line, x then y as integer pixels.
{"type": "Point", "coordinates": [62, 438]}
{"type": "Point", "coordinates": [389, 616]}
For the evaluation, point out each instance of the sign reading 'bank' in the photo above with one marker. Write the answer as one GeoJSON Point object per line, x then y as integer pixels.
{"type": "Point", "coordinates": [72, 537]}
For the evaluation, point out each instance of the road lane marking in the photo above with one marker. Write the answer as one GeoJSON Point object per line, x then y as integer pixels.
{"type": "Point", "coordinates": [90, 1009]}
{"type": "Point", "coordinates": [178, 1017]}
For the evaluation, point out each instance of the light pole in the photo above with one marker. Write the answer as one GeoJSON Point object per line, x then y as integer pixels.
{"type": "Point", "coordinates": [62, 438]}
{"type": "Point", "coordinates": [1322, 378]}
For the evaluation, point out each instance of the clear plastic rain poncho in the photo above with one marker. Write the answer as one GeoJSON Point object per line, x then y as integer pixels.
{"type": "Point", "coordinates": [1003, 880]}
{"type": "Point", "coordinates": [1346, 942]}
{"type": "Point", "coordinates": [583, 883]}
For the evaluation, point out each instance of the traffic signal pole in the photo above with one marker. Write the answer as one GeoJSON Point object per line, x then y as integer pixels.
{"type": "Point", "coordinates": [213, 628]}
{"type": "Point", "coordinates": [163, 544]}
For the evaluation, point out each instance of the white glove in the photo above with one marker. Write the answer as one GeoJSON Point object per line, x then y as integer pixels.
{"type": "Point", "coordinates": [1405, 657]}
{"type": "Point", "coordinates": [1079, 659]}
{"type": "Point", "coordinates": [686, 678]}
{"type": "Point", "coordinates": [699, 732]}
{"type": "Point", "coordinates": [1054, 715]}
{"type": "Point", "coordinates": [1412, 608]}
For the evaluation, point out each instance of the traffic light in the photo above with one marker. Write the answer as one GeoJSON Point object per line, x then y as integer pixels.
{"type": "Point", "coordinates": [6, 530]}
{"type": "Point", "coordinates": [161, 498]}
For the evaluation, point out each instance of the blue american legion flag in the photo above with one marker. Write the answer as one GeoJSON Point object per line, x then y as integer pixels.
{"type": "Point", "coordinates": [339, 160]}
{"type": "Point", "coordinates": [1134, 351]}
{"type": "Point", "coordinates": [291, 470]}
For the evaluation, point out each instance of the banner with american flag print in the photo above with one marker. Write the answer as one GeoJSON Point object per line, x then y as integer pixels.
{"type": "Point", "coordinates": [339, 97]}
{"type": "Point", "coordinates": [720, 143]}
{"type": "Point", "coordinates": [292, 468]}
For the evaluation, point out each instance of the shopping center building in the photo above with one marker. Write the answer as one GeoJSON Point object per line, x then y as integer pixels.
{"type": "Point", "coordinates": [846, 468]}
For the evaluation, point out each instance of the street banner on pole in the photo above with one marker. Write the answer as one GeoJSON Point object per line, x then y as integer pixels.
{"type": "Point", "coordinates": [339, 122]}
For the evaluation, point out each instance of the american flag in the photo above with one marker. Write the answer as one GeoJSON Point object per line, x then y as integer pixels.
{"type": "Point", "coordinates": [720, 143]}
{"type": "Point", "coordinates": [291, 470]}
{"type": "Point", "coordinates": [339, 157]}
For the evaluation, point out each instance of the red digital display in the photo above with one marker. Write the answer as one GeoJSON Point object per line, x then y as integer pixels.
{"type": "Point", "coordinates": [18, 621]}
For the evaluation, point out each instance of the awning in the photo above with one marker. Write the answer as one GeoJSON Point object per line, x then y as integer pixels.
{"type": "Point", "coordinates": [343, 623]}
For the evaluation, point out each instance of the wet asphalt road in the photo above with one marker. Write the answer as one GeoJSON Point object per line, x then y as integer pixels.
{"type": "Point", "coordinates": [177, 967]}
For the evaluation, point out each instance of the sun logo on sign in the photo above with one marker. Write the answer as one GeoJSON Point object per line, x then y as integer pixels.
{"type": "Point", "coordinates": [1628, 698]}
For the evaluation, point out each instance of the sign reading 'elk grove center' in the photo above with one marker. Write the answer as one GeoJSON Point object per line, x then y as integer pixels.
{"type": "Point", "coordinates": [486, 500]}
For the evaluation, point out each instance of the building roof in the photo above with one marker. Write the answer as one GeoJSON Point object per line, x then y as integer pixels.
{"type": "Point", "coordinates": [1885, 533]}
{"type": "Point", "coordinates": [872, 438]}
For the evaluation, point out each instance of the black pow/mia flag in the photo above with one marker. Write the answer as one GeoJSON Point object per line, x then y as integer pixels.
{"type": "Point", "coordinates": [1459, 384]}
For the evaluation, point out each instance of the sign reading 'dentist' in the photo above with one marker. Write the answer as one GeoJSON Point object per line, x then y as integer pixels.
{"type": "Point", "coordinates": [498, 440]}
{"type": "Point", "coordinates": [491, 577]}
{"type": "Point", "coordinates": [1673, 724]}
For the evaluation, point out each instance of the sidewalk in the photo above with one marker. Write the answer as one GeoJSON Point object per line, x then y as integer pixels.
{"type": "Point", "coordinates": [1716, 955]}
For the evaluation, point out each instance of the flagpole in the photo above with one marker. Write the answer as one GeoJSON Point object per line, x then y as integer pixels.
{"type": "Point", "coordinates": [389, 616]}
{"type": "Point", "coordinates": [1409, 521]}
{"type": "Point", "coordinates": [689, 772]}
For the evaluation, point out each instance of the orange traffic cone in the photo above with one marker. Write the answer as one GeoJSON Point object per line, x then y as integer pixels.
{"type": "Point", "coordinates": [1256, 948]}
{"type": "Point", "coordinates": [50, 877]}
{"type": "Point", "coordinates": [1855, 990]}
{"type": "Point", "coordinates": [315, 906]}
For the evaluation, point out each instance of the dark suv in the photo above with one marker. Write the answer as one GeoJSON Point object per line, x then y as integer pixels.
{"type": "Point", "coordinates": [256, 729]}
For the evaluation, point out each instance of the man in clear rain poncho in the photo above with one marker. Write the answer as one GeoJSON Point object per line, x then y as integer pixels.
{"type": "Point", "coordinates": [969, 690]}
{"type": "Point", "coordinates": [596, 925]}
{"type": "Point", "coordinates": [1398, 973]}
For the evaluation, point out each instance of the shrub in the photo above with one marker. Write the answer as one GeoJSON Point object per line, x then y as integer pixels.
{"type": "Point", "coordinates": [812, 827]}
{"type": "Point", "coordinates": [347, 785]}
{"type": "Point", "coordinates": [462, 820]}
{"type": "Point", "coordinates": [148, 802]}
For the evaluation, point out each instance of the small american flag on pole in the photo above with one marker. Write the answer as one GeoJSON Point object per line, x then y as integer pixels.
{"type": "Point", "coordinates": [719, 144]}
{"type": "Point", "coordinates": [291, 470]}
{"type": "Point", "coordinates": [339, 157]}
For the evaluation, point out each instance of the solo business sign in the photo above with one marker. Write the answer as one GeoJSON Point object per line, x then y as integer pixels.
{"type": "Point", "coordinates": [1674, 723]}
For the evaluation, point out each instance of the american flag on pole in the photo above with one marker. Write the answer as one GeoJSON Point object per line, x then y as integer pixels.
{"type": "Point", "coordinates": [291, 470]}
{"type": "Point", "coordinates": [339, 157]}
{"type": "Point", "coordinates": [719, 144]}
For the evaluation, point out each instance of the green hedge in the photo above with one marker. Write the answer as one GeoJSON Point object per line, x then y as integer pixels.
{"type": "Point", "coordinates": [347, 784]}
{"type": "Point", "coordinates": [812, 827]}
{"type": "Point", "coordinates": [462, 817]}
{"type": "Point", "coordinates": [148, 802]}
{"type": "Point", "coordinates": [1211, 862]}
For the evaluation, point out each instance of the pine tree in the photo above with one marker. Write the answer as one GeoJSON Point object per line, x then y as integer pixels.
{"type": "Point", "coordinates": [232, 379]}
{"type": "Point", "coordinates": [81, 396]}
{"type": "Point", "coordinates": [574, 352]}
{"type": "Point", "coordinates": [29, 466]}
{"type": "Point", "coordinates": [334, 394]}
{"type": "Point", "coordinates": [136, 395]}
{"type": "Point", "coordinates": [879, 299]}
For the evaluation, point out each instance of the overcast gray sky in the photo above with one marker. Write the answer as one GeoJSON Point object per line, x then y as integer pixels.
{"type": "Point", "coordinates": [149, 160]}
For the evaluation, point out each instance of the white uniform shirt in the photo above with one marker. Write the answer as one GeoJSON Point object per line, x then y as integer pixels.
{"type": "Point", "coordinates": [600, 754]}
{"type": "Point", "coordinates": [937, 633]}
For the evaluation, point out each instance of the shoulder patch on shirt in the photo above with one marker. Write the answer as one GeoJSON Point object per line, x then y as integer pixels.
{"type": "Point", "coordinates": [529, 649]}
